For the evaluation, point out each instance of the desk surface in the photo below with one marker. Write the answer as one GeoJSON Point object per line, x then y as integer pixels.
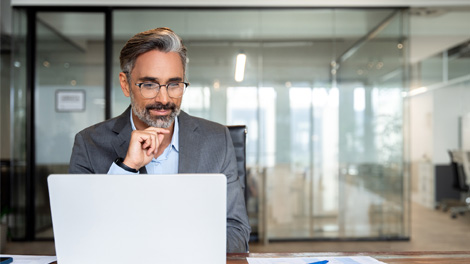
{"type": "Point", "coordinates": [424, 257]}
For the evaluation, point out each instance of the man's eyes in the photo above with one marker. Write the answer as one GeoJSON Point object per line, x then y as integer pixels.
{"type": "Point", "coordinates": [155, 85]}
{"type": "Point", "coordinates": [173, 85]}
{"type": "Point", "coordinates": [150, 85]}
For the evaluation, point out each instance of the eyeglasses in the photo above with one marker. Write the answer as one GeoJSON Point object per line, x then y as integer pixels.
{"type": "Point", "coordinates": [150, 90]}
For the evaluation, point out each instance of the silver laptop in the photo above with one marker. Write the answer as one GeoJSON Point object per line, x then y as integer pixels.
{"type": "Point", "coordinates": [139, 218]}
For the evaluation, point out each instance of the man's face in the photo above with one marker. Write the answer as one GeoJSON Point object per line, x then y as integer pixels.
{"type": "Point", "coordinates": [158, 67]}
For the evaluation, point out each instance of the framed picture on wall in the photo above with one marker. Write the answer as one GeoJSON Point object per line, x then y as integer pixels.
{"type": "Point", "coordinates": [70, 100]}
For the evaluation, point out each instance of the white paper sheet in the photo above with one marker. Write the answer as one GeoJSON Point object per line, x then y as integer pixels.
{"type": "Point", "coordinates": [309, 260]}
{"type": "Point", "coordinates": [24, 259]}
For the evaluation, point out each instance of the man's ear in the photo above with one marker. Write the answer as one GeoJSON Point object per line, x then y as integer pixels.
{"type": "Point", "coordinates": [124, 84]}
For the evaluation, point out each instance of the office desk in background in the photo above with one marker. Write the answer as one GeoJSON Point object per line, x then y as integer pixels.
{"type": "Point", "coordinates": [424, 257]}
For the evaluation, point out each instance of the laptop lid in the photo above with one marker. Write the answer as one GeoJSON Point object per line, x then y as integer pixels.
{"type": "Point", "coordinates": [139, 218]}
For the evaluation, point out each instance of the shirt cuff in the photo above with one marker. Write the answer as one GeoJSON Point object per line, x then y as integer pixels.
{"type": "Point", "coordinates": [115, 169]}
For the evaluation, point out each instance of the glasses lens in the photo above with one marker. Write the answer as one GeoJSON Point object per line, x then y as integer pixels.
{"type": "Point", "coordinates": [176, 90]}
{"type": "Point", "coordinates": [149, 90]}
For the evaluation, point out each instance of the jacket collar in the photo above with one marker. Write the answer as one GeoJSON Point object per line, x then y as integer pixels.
{"type": "Point", "coordinates": [189, 143]}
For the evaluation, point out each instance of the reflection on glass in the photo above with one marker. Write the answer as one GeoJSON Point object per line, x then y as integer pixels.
{"type": "Point", "coordinates": [69, 95]}
{"type": "Point", "coordinates": [432, 70]}
{"type": "Point", "coordinates": [325, 162]}
{"type": "Point", "coordinates": [18, 126]}
{"type": "Point", "coordinates": [459, 60]}
{"type": "Point", "coordinates": [325, 144]}
{"type": "Point", "coordinates": [243, 104]}
{"type": "Point", "coordinates": [198, 101]}
{"type": "Point", "coordinates": [359, 99]}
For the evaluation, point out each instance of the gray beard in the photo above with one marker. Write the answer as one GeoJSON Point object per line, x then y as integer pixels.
{"type": "Point", "coordinates": [155, 121]}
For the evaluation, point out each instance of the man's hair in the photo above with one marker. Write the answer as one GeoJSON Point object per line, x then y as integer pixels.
{"type": "Point", "coordinates": [161, 39]}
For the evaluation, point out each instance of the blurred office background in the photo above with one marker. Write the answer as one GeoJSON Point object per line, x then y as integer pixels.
{"type": "Point", "coordinates": [350, 108]}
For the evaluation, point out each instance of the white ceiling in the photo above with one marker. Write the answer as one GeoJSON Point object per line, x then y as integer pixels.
{"type": "Point", "coordinates": [246, 3]}
{"type": "Point", "coordinates": [431, 34]}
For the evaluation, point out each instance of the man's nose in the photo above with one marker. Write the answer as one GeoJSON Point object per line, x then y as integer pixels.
{"type": "Point", "coordinates": [162, 95]}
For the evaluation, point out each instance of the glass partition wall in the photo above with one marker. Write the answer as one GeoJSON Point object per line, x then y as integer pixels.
{"type": "Point", "coordinates": [438, 103]}
{"type": "Point", "coordinates": [69, 94]}
{"type": "Point", "coordinates": [321, 96]}
{"type": "Point", "coordinates": [322, 99]}
{"type": "Point", "coordinates": [57, 90]}
{"type": "Point", "coordinates": [18, 137]}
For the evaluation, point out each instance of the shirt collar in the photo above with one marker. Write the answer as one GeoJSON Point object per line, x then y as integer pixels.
{"type": "Point", "coordinates": [174, 139]}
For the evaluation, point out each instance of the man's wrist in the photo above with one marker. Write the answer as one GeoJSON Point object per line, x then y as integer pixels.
{"type": "Point", "coordinates": [120, 163]}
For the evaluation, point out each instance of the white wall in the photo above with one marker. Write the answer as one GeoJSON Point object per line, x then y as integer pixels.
{"type": "Point", "coordinates": [447, 112]}
{"type": "Point", "coordinates": [434, 122]}
{"type": "Point", "coordinates": [421, 127]}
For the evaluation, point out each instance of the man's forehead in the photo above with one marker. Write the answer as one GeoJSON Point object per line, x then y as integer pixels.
{"type": "Point", "coordinates": [152, 61]}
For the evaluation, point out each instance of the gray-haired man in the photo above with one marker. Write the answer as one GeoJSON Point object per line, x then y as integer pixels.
{"type": "Point", "coordinates": [153, 136]}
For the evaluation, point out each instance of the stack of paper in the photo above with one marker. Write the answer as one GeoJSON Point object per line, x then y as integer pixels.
{"type": "Point", "coordinates": [23, 259]}
{"type": "Point", "coordinates": [316, 260]}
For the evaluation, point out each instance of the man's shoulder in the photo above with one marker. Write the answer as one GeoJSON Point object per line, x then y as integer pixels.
{"type": "Point", "coordinates": [106, 126]}
{"type": "Point", "coordinates": [201, 123]}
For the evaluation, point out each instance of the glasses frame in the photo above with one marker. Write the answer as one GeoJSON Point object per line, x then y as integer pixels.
{"type": "Point", "coordinates": [159, 86]}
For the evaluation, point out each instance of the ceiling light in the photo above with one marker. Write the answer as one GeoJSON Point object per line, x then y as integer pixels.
{"type": "Point", "coordinates": [418, 91]}
{"type": "Point", "coordinates": [240, 67]}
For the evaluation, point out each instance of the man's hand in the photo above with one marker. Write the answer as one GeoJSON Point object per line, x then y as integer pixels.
{"type": "Point", "coordinates": [144, 146]}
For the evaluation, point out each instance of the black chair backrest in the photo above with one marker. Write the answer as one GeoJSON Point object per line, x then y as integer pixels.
{"type": "Point", "coordinates": [459, 177]}
{"type": "Point", "coordinates": [238, 134]}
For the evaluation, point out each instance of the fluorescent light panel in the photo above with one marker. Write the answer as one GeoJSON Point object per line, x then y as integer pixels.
{"type": "Point", "coordinates": [240, 67]}
{"type": "Point", "coordinates": [417, 91]}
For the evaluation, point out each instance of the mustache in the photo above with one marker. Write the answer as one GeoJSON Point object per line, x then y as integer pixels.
{"type": "Point", "coordinates": [160, 106]}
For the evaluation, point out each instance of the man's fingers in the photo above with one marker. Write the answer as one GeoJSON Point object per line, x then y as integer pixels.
{"type": "Point", "coordinates": [156, 136]}
{"type": "Point", "coordinates": [145, 140]}
{"type": "Point", "coordinates": [144, 144]}
{"type": "Point", "coordinates": [149, 141]}
{"type": "Point", "coordinates": [158, 130]}
{"type": "Point", "coordinates": [153, 144]}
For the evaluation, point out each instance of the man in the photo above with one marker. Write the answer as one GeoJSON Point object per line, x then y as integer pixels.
{"type": "Point", "coordinates": [153, 136]}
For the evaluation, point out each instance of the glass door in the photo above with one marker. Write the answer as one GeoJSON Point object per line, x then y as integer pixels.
{"type": "Point", "coordinates": [372, 180]}
{"type": "Point", "coordinates": [69, 95]}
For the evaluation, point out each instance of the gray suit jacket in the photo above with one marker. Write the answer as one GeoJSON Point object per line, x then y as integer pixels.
{"type": "Point", "coordinates": [204, 147]}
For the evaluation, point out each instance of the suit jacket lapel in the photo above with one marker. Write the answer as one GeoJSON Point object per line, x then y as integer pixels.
{"type": "Point", "coordinates": [123, 130]}
{"type": "Point", "coordinates": [189, 144]}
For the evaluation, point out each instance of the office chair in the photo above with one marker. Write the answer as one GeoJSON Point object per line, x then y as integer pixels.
{"type": "Point", "coordinates": [238, 134]}
{"type": "Point", "coordinates": [460, 167]}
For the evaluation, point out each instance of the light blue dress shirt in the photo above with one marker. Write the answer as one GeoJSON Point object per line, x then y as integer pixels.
{"type": "Point", "coordinates": [166, 163]}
